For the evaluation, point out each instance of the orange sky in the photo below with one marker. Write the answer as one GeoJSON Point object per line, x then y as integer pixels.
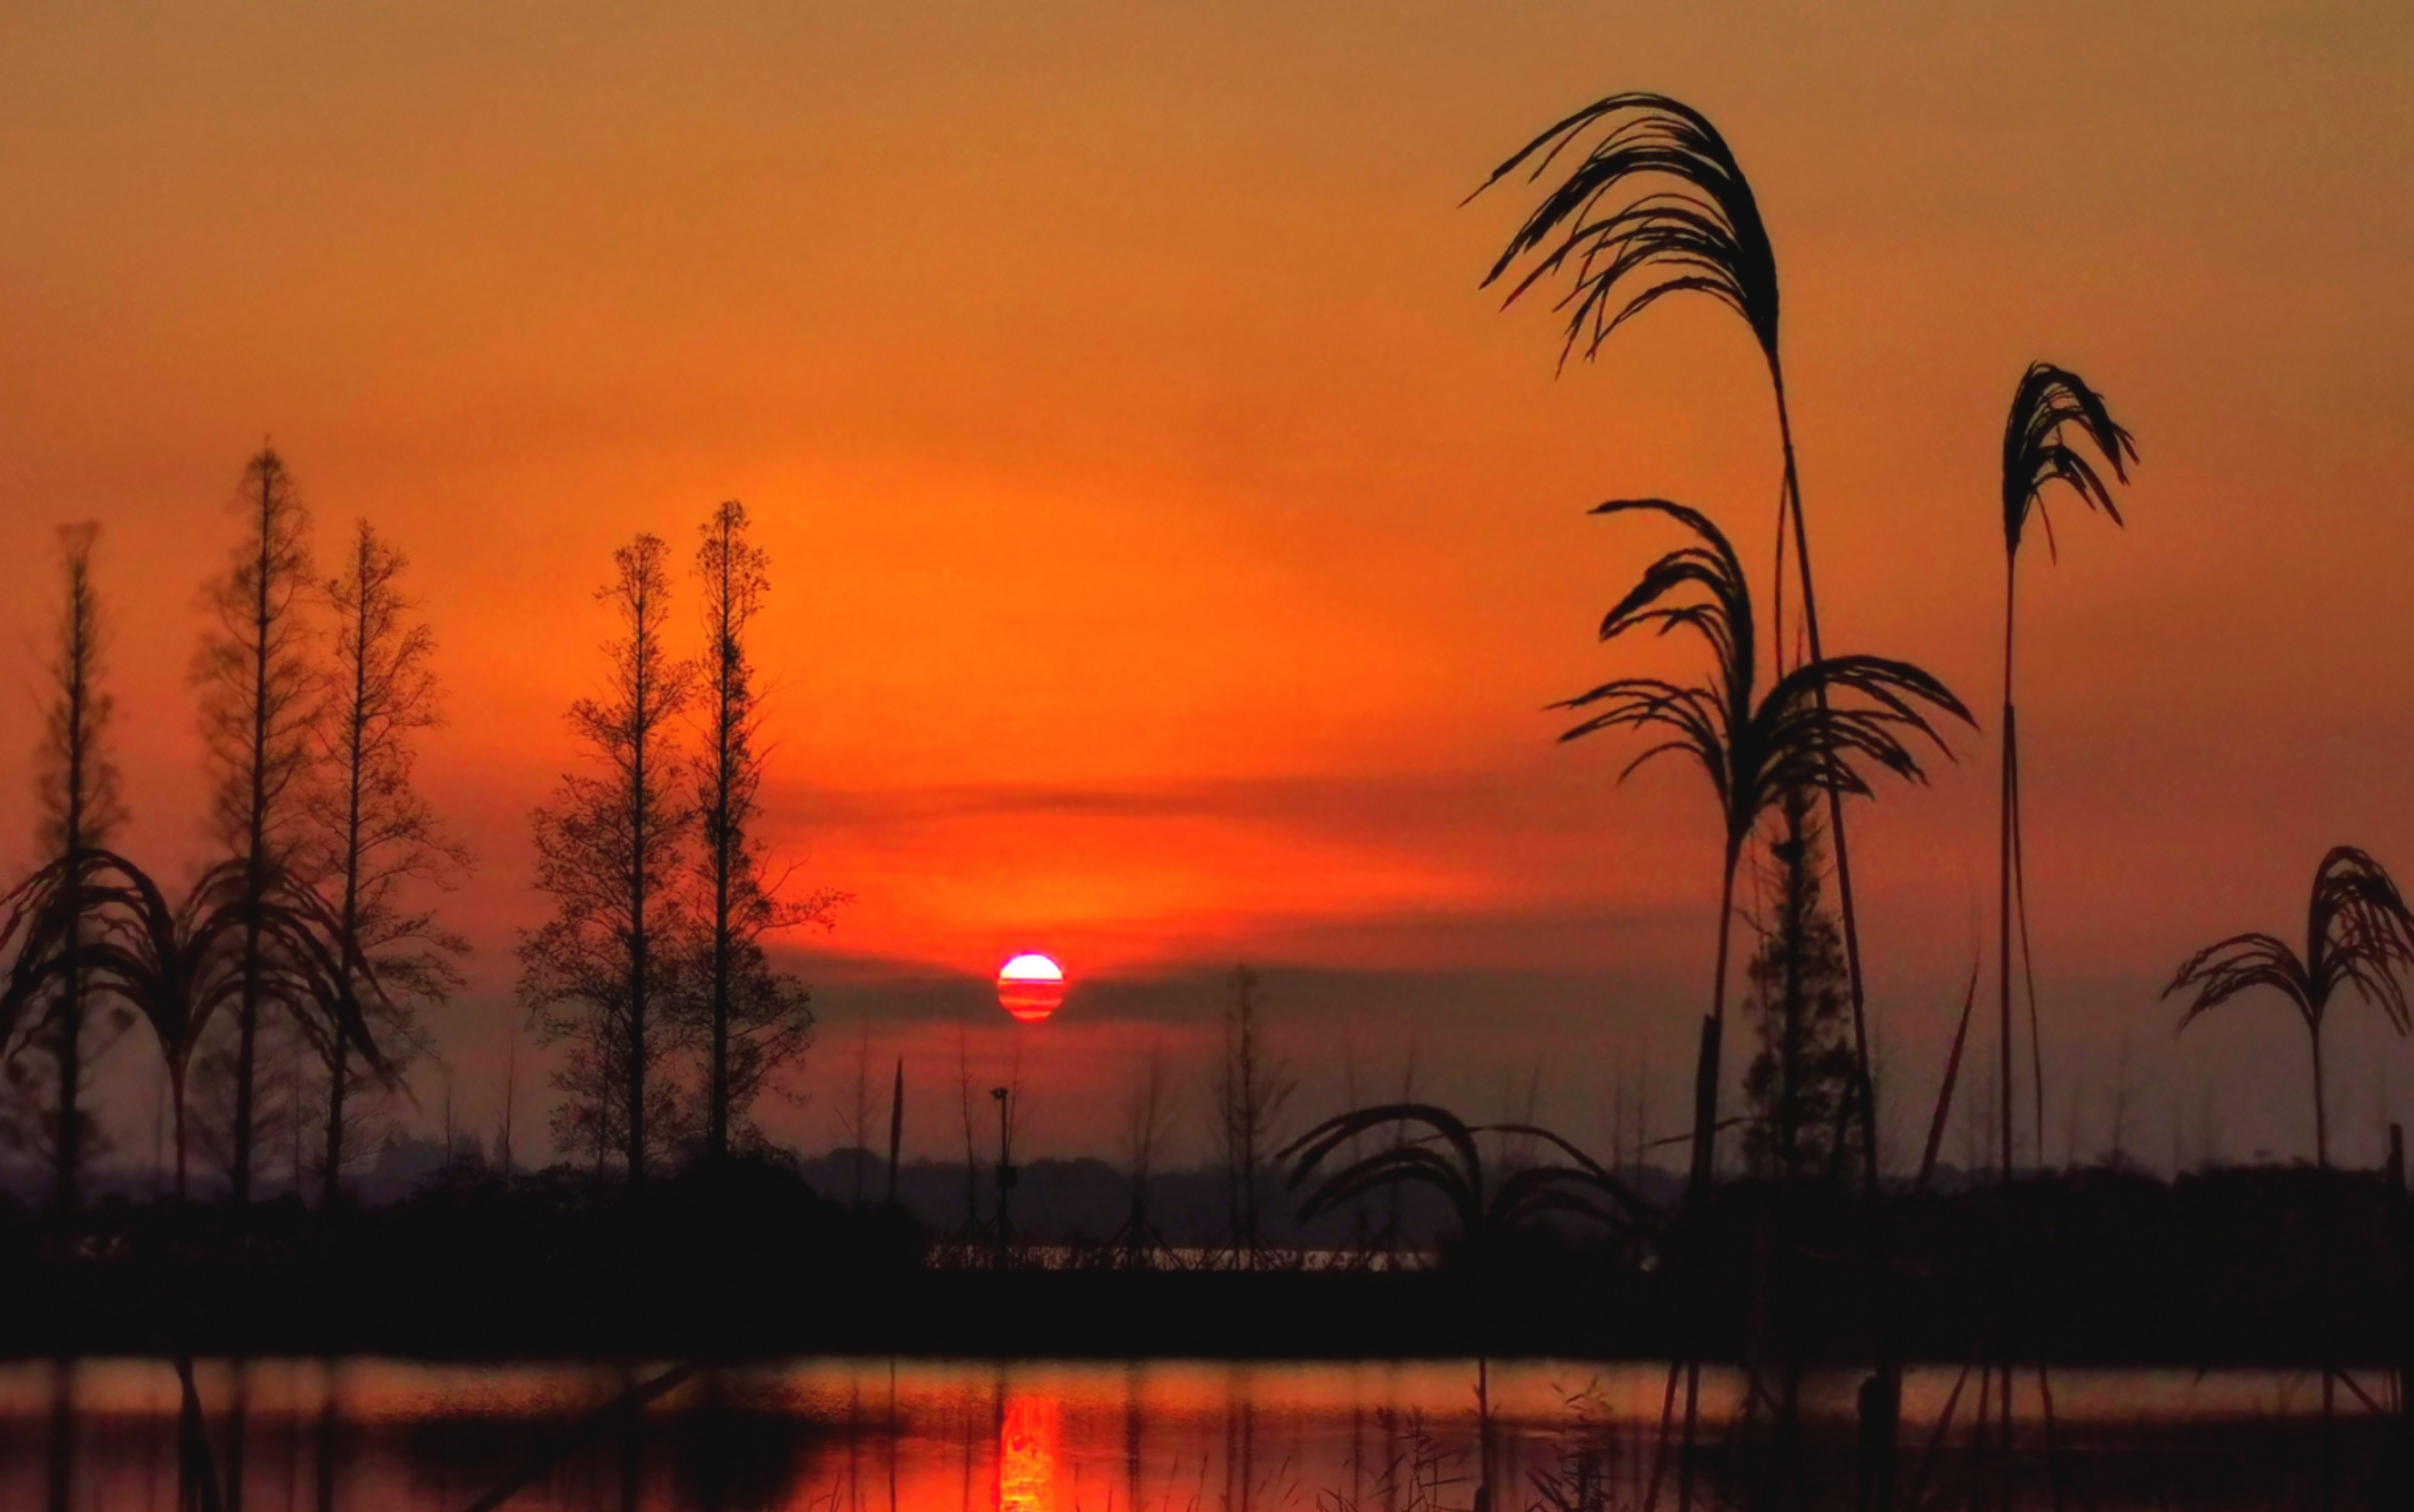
{"type": "Point", "coordinates": [1174, 548]}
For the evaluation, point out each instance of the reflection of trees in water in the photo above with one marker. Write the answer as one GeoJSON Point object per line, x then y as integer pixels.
{"type": "Point", "coordinates": [1177, 1438]}
{"type": "Point", "coordinates": [327, 1451]}
{"type": "Point", "coordinates": [60, 1455]}
{"type": "Point", "coordinates": [724, 1445]}
{"type": "Point", "coordinates": [736, 1448]}
{"type": "Point", "coordinates": [238, 1432]}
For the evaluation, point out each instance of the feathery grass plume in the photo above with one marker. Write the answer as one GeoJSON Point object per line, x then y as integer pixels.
{"type": "Point", "coordinates": [179, 964]}
{"type": "Point", "coordinates": [2038, 453]}
{"type": "Point", "coordinates": [1753, 746]}
{"type": "Point", "coordinates": [1817, 726]}
{"type": "Point", "coordinates": [1654, 207]}
{"type": "Point", "coordinates": [1486, 1211]}
{"type": "Point", "coordinates": [1656, 204]}
{"type": "Point", "coordinates": [2050, 405]}
{"type": "Point", "coordinates": [2359, 935]}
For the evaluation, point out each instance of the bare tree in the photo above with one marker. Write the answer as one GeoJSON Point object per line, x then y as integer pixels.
{"type": "Point", "coordinates": [1145, 1118]}
{"type": "Point", "coordinates": [602, 972]}
{"type": "Point", "coordinates": [972, 1154]}
{"type": "Point", "coordinates": [2116, 1133]}
{"type": "Point", "coordinates": [505, 1122]}
{"type": "Point", "coordinates": [755, 1020]}
{"type": "Point", "coordinates": [2070, 1124]}
{"type": "Point", "coordinates": [896, 1129]}
{"type": "Point", "coordinates": [262, 697]}
{"type": "Point", "coordinates": [1252, 1086]}
{"type": "Point", "coordinates": [78, 793]}
{"type": "Point", "coordinates": [854, 1114]}
{"type": "Point", "coordinates": [380, 837]}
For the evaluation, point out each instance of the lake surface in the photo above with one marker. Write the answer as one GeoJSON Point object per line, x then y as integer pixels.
{"type": "Point", "coordinates": [877, 1435]}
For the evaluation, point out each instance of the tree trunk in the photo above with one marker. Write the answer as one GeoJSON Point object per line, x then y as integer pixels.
{"type": "Point", "coordinates": [330, 1184]}
{"type": "Point", "coordinates": [723, 861]}
{"type": "Point", "coordinates": [65, 1189]}
{"type": "Point", "coordinates": [637, 962]}
{"type": "Point", "coordinates": [255, 863]}
{"type": "Point", "coordinates": [1795, 919]}
{"type": "Point", "coordinates": [247, 1050]}
{"type": "Point", "coordinates": [176, 1092]}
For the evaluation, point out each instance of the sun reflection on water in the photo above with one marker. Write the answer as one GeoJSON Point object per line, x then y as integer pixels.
{"type": "Point", "coordinates": [1027, 1442]}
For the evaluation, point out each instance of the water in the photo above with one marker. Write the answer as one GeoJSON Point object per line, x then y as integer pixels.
{"type": "Point", "coordinates": [876, 1435]}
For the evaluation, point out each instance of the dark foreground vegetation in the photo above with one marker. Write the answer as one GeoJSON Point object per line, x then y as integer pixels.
{"type": "Point", "coordinates": [2227, 1267]}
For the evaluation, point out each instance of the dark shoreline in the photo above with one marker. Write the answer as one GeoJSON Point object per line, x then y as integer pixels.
{"type": "Point", "coordinates": [2227, 1269]}
{"type": "Point", "coordinates": [610, 1311]}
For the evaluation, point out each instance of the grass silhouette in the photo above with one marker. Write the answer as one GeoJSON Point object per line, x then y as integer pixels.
{"type": "Point", "coordinates": [1816, 727]}
{"type": "Point", "coordinates": [177, 964]}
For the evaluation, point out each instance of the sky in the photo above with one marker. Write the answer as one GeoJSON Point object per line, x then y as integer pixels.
{"type": "Point", "coordinates": [1174, 548]}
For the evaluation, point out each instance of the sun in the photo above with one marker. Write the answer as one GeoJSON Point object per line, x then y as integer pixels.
{"type": "Point", "coordinates": [1030, 986]}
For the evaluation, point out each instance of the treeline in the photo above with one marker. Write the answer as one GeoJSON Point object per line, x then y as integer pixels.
{"type": "Point", "coordinates": [285, 991]}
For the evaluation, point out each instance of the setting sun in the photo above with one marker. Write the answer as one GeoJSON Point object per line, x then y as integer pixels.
{"type": "Point", "coordinates": [1030, 986]}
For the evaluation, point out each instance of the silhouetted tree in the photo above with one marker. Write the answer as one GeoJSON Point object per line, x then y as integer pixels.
{"type": "Point", "coordinates": [1799, 1086]}
{"type": "Point", "coordinates": [966, 1105]}
{"type": "Point", "coordinates": [1799, 1082]}
{"type": "Point", "coordinates": [896, 1131]}
{"type": "Point", "coordinates": [1813, 729]}
{"type": "Point", "coordinates": [380, 836]}
{"type": "Point", "coordinates": [1146, 1114]}
{"type": "Point", "coordinates": [506, 1121]}
{"type": "Point", "coordinates": [78, 793]}
{"type": "Point", "coordinates": [1251, 1089]}
{"type": "Point", "coordinates": [854, 1114]}
{"type": "Point", "coordinates": [601, 972]}
{"type": "Point", "coordinates": [756, 1020]}
{"type": "Point", "coordinates": [262, 697]}
{"type": "Point", "coordinates": [2037, 454]}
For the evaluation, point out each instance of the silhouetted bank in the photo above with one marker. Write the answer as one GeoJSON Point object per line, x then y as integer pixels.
{"type": "Point", "coordinates": [748, 1260]}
